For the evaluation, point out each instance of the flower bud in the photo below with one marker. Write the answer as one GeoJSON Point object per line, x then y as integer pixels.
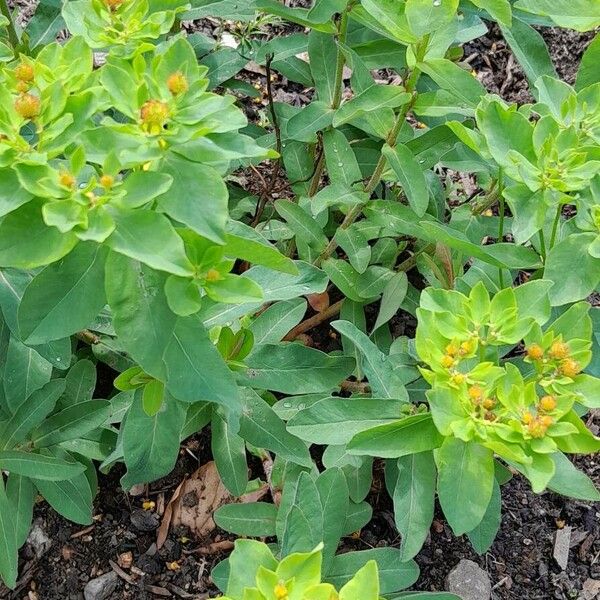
{"type": "Point", "coordinates": [447, 361]}
{"type": "Point", "coordinates": [569, 368]}
{"type": "Point", "coordinates": [467, 347]}
{"type": "Point", "coordinates": [281, 592]}
{"type": "Point", "coordinates": [154, 115]}
{"type": "Point", "coordinates": [534, 352]}
{"type": "Point", "coordinates": [546, 420]}
{"type": "Point", "coordinates": [475, 393]}
{"type": "Point", "coordinates": [24, 72]}
{"type": "Point", "coordinates": [547, 403]}
{"type": "Point", "coordinates": [527, 418]}
{"type": "Point", "coordinates": [28, 106]}
{"type": "Point", "coordinates": [177, 83]}
{"type": "Point", "coordinates": [458, 378]}
{"type": "Point", "coordinates": [22, 87]}
{"type": "Point", "coordinates": [213, 275]}
{"type": "Point", "coordinates": [66, 179]}
{"type": "Point", "coordinates": [107, 181]}
{"type": "Point", "coordinates": [489, 403]}
{"type": "Point", "coordinates": [537, 429]}
{"type": "Point", "coordinates": [452, 349]}
{"type": "Point", "coordinates": [113, 5]}
{"type": "Point", "coordinates": [559, 350]}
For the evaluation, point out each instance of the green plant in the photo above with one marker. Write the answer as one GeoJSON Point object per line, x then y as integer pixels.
{"type": "Point", "coordinates": [128, 238]}
{"type": "Point", "coordinates": [253, 572]}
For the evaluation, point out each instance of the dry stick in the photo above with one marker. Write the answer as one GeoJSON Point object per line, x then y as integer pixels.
{"type": "Point", "coordinates": [264, 197]}
{"type": "Point", "coordinates": [315, 320]}
{"type": "Point", "coordinates": [382, 162]}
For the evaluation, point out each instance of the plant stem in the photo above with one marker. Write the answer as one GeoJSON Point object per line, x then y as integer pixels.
{"type": "Point", "coordinates": [543, 245]}
{"type": "Point", "coordinates": [391, 140]}
{"type": "Point", "coordinates": [337, 97]}
{"type": "Point", "coordinates": [555, 226]}
{"type": "Point", "coordinates": [502, 209]}
{"type": "Point", "coordinates": [13, 38]}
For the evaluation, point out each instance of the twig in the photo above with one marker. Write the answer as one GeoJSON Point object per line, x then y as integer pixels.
{"type": "Point", "coordinates": [213, 548]}
{"type": "Point", "coordinates": [264, 197]}
{"type": "Point", "coordinates": [315, 320]}
{"type": "Point", "coordinates": [268, 465]}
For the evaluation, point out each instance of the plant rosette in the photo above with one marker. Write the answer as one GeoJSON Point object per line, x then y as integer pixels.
{"type": "Point", "coordinates": [255, 573]}
{"type": "Point", "coordinates": [519, 404]}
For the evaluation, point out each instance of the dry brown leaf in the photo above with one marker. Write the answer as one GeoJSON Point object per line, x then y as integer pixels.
{"type": "Point", "coordinates": [591, 589]}
{"type": "Point", "coordinates": [318, 302]}
{"type": "Point", "coordinates": [196, 499]}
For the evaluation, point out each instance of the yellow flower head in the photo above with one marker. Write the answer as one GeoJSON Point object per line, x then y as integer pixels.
{"type": "Point", "coordinates": [177, 83]}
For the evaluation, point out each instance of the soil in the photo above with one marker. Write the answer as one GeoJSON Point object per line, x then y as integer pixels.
{"type": "Point", "coordinates": [520, 563]}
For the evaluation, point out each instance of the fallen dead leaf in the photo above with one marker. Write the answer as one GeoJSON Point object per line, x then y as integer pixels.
{"type": "Point", "coordinates": [318, 302]}
{"type": "Point", "coordinates": [591, 589]}
{"type": "Point", "coordinates": [196, 499]}
{"type": "Point", "coordinates": [561, 546]}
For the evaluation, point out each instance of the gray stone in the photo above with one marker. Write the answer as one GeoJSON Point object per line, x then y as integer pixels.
{"type": "Point", "coordinates": [38, 540]}
{"type": "Point", "coordinates": [469, 581]}
{"type": "Point", "coordinates": [102, 587]}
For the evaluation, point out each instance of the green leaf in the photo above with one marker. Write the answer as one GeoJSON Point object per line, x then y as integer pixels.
{"type": "Point", "coordinates": [8, 542]}
{"type": "Point", "coordinates": [530, 49]}
{"type": "Point", "coordinates": [21, 495]}
{"type": "Point", "coordinates": [39, 466]}
{"type": "Point", "coordinates": [30, 414]}
{"type": "Point", "coordinates": [256, 519]}
{"type": "Point", "coordinates": [374, 98]}
{"type": "Point", "coordinates": [244, 562]}
{"type": "Point", "coordinates": [364, 585]}
{"type": "Point", "coordinates": [80, 383]}
{"type": "Point", "coordinates": [452, 78]}
{"type": "Point", "coordinates": [195, 369]}
{"type": "Point", "coordinates": [314, 117]}
{"type": "Point", "coordinates": [71, 498]}
{"type": "Point", "coordinates": [144, 186]}
{"type": "Point", "coordinates": [344, 276]}
{"type": "Point", "coordinates": [414, 501]}
{"type": "Point", "coordinates": [336, 420]}
{"type": "Point", "coordinates": [282, 286]}
{"type": "Point", "coordinates": [153, 395]}
{"type": "Point", "coordinates": [72, 422]}
{"type": "Point", "coordinates": [41, 246]}
{"type": "Point", "coordinates": [465, 482]}
{"type": "Point", "coordinates": [232, 289]}
{"type": "Point", "coordinates": [588, 67]}
{"type": "Point", "coordinates": [333, 494]}
{"type": "Point", "coordinates": [25, 372]}
{"type": "Point", "coordinates": [499, 10]}
{"type": "Point", "coordinates": [384, 381]}
{"type": "Point", "coordinates": [410, 175]}
{"type": "Point", "coordinates": [65, 297]}
{"type": "Point", "coordinates": [223, 64]}
{"type": "Point", "coordinates": [303, 224]}
{"type": "Point", "coordinates": [573, 14]}
{"type": "Point", "coordinates": [261, 427]}
{"type": "Point", "coordinates": [12, 193]}
{"type": "Point", "coordinates": [229, 453]}
{"type": "Point", "coordinates": [204, 211]}
{"type": "Point", "coordinates": [141, 315]}
{"type": "Point", "coordinates": [409, 435]}
{"type": "Point", "coordinates": [274, 323]}
{"type": "Point", "coordinates": [574, 280]}
{"type": "Point", "coordinates": [323, 54]}
{"type": "Point", "coordinates": [355, 245]}
{"type": "Point", "coordinates": [392, 299]}
{"type": "Point", "coordinates": [295, 369]}
{"type": "Point", "coordinates": [242, 241]}
{"type": "Point", "coordinates": [394, 574]}
{"type": "Point", "coordinates": [151, 443]}
{"type": "Point", "coordinates": [342, 165]}
{"type": "Point", "coordinates": [571, 482]}
{"type": "Point", "coordinates": [149, 237]}
{"type": "Point", "coordinates": [299, 525]}
{"type": "Point", "coordinates": [424, 16]}
{"type": "Point", "coordinates": [482, 537]}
